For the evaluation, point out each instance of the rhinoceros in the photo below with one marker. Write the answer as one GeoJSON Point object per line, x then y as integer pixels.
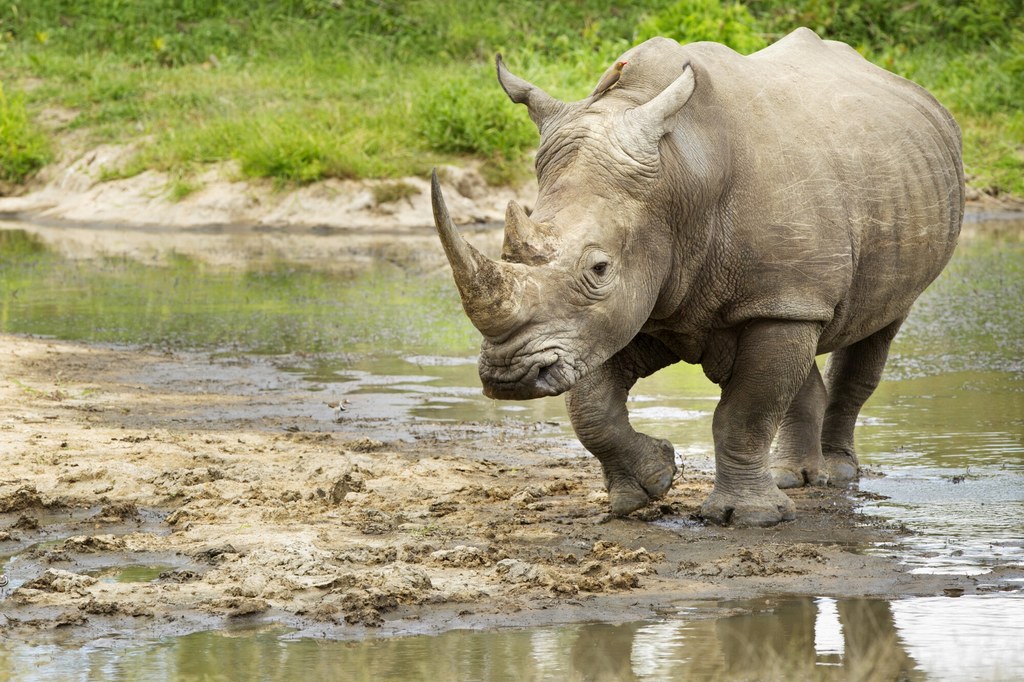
{"type": "Point", "coordinates": [743, 213]}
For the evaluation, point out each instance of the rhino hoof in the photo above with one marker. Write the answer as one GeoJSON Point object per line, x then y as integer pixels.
{"type": "Point", "coordinates": [764, 509]}
{"type": "Point", "coordinates": [797, 478]}
{"type": "Point", "coordinates": [842, 470]}
{"type": "Point", "coordinates": [658, 479]}
{"type": "Point", "coordinates": [627, 498]}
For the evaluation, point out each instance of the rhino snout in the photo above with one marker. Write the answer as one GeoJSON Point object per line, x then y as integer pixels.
{"type": "Point", "coordinates": [540, 374]}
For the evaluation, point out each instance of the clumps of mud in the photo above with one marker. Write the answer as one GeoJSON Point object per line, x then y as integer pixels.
{"type": "Point", "coordinates": [116, 607]}
{"type": "Point", "coordinates": [796, 559]}
{"type": "Point", "coordinates": [59, 587]}
{"type": "Point", "coordinates": [89, 544]}
{"type": "Point", "coordinates": [23, 498]}
{"type": "Point", "coordinates": [117, 512]}
{"type": "Point", "coordinates": [607, 567]}
{"type": "Point", "coordinates": [350, 482]}
{"type": "Point", "coordinates": [235, 607]}
{"type": "Point", "coordinates": [364, 597]}
{"type": "Point", "coordinates": [25, 522]}
{"type": "Point", "coordinates": [56, 580]}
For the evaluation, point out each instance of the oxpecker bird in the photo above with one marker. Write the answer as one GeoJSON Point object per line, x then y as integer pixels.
{"type": "Point", "coordinates": [608, 81]}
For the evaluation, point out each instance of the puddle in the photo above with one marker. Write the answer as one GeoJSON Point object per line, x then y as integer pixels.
{"type": "Point", "coordinates": [131, 574]}
{"type": "Point", "coordinates": [934, 638]}
{"type": "Point", "coordinates": [965, 528]}
{"type": "Point", "coordinates": [66, 539]}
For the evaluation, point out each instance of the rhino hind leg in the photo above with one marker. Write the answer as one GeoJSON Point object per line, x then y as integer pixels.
{"type": "Point", "coordinates": [637, 468]}
{"type": "Point", "coordinates": [797, 458]}
{"type": "Point", "coordinates": [851, 376]}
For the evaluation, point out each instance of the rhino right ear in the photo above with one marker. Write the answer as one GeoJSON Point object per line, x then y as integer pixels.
{"type": "Point", "coordinates": [652, 118]}
{"type": "Point", "coordinates": [540, 104]}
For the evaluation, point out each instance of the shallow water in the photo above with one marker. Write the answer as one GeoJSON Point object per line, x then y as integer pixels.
{"type": "Point", "coordinates": [943, 436]}
{"type": "Point", "coordinates": [968, 638]}
{"type": "Point", "coordinates": [277, 308]}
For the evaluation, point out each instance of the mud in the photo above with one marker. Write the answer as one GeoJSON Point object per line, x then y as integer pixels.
{"type": "Point", "coordinates": [232, 488]}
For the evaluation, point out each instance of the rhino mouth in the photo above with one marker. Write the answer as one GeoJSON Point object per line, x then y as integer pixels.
{"type": "Point", "coordinates": [539, 374]}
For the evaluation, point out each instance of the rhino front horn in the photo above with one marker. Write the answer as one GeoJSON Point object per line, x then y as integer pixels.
{"type": "Point", "coordinates": [491, 291]}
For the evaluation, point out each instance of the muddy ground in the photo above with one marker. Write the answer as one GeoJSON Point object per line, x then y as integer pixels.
{"type": "Point", "coordinates": [254, 499]}
{"type": "Point", "coordinates": [232, 492]}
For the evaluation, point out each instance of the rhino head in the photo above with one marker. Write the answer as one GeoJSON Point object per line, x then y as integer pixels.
{"type": "Point", "coordinates": [580, 276]}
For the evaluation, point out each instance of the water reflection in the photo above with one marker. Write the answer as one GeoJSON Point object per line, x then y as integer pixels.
{"type": "Point", "coordinates": [185, 303]}
{"type": "Point", "coordinates": [820, 638]}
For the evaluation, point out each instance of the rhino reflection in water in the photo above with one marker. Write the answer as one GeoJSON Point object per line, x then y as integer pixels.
{"type": "Point", "coordinates": [744, 213]}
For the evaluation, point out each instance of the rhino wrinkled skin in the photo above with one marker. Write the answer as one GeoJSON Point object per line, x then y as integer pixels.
{"type": "Point", "coordinates": [743, 213]}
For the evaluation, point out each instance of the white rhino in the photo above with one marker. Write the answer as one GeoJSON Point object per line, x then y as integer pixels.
{"type": "Point", "coordinates": [744, 213]}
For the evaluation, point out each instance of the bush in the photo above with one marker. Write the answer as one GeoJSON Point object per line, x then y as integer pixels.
{"type": "Point", "coordinates": [692, 20]}
{"type": "Point", "coordinates": [23, 148]}
{"type": "Point", "coordinates": [881, 23]}
{"type": "Point", "coordinates": [462, 115]}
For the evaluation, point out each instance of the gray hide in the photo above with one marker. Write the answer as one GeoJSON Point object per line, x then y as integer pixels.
{"type": "Point", "coordinates": [744, 213]}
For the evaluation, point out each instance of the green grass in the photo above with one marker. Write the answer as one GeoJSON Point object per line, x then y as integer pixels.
{"type": "Point", "coordinates": [302, 90]}
{"type": "Point", "coordinates": [24, 148]}
{"type": "Point", "coordinates": [983, 90]}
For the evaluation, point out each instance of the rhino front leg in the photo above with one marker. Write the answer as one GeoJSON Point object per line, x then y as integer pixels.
{"type": "Point", "coordinates": [851, 376]}
{"type": "Point", "coordinates": [771, 363]}
{"type": "Point", "coordinates": [797, 458]}
{"type": "Point", "coordinates": [637, 468]}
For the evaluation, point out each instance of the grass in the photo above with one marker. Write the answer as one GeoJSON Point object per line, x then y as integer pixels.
{"type": "Point", "coordinates": [302, 90]}
{"type": "Point", "coordinates": [24, 148]}
{"type": "Point", "coordinates": [388, 192]}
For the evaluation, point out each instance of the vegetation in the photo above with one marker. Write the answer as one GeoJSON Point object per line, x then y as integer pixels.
{"type": "Point", "coordinates": [301, 90]}
{"type": "Point", "coordinates": [24, 148]}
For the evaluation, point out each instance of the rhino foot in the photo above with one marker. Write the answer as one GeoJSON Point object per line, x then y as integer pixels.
{"type": "Point", "coordinates": [797, 477]}
{"type": "Point", "coordinates": [650, 475]}
{"type": "Point", "coordinates": [764, 508]}
{"type": "Point", "coordinates": [626, 496]}
{"type": "Point", "coordinates": [657, 468]}
{"type": "Point", "coordinates": [841, 467]}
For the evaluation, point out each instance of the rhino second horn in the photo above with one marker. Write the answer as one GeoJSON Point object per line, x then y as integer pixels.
{"type": "Point", "coordinates": [526, 241]}
{"type": "Point", "coordinates": [491, 291]}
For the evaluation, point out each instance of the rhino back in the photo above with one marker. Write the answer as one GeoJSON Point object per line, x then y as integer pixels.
{"type": "Point", "coordinates": [842, 191]}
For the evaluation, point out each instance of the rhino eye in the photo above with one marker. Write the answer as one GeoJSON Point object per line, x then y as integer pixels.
{"type": "Point", "coordinates": [600, 268]}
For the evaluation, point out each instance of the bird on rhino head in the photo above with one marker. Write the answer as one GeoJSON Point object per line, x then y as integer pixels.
{"type": "Point", "coordinates": [608, 81]}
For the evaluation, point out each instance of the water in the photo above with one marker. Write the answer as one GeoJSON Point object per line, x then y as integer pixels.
{"type": "Point", "coordinates": [970, 638]}
{"type": "Point", "coordinates": [946, 428]}
{"type": "Point", "coordinates": [131, 574]}
{"type": "Point", "coordinates": [276, 308]}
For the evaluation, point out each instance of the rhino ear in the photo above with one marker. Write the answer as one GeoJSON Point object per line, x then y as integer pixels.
{"type": "Point", "coordinates": [653, 117]}
{"type": "Point", "coordinates": [540, 104]}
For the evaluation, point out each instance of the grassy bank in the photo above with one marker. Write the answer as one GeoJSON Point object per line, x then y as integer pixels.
{"type": "Point", "coordinates": [300, 90]}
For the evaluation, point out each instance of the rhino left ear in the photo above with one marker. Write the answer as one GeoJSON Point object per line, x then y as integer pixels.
{"type": "Point", "coordinates": [540, 104]}
{"type": "Point", "coordinates": [653, 117]}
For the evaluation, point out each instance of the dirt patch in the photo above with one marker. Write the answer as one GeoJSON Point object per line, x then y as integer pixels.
{"type": "Point", "coordinates": [253, 502]}
{"type": "Point", "coordinates": [365, 215]}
